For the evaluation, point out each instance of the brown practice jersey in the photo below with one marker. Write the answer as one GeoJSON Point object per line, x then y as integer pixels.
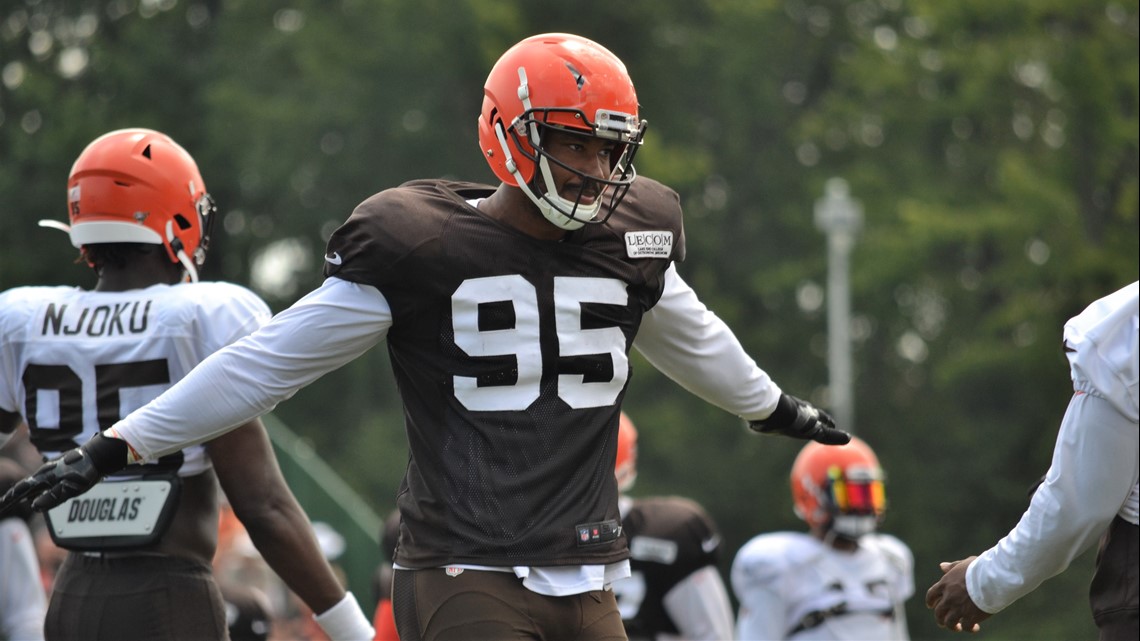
{"type": "Point", "coordinates": [670, 537]}
{"type": "Point", "coordinates": [511, 357]}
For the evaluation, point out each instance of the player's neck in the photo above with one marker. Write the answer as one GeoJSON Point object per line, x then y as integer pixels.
{"type": "Point", "coordinates": [841, 543]}
{"type": "Point", "coordinates": [135, 276]}
{"type": "Point", "coordinates": [510, 206]}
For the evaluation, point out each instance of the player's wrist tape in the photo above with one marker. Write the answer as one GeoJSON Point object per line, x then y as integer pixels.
{"type": "Point", "coordinates": [345, 621]}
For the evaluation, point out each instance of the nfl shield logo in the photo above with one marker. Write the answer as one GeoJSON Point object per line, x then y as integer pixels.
{"type": "Point", "coordinates": [453, 571]}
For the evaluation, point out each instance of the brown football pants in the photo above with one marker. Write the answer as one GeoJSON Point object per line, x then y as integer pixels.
{"type": "Point", "coordinates": [1113, 592]}
{"type": "Point", "coordinates": [134, 598]}
{"type": "Point", "coordinates": [431, 605]}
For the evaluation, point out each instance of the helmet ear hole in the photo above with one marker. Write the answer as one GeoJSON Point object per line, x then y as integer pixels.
{"type": "Point", "coordinates": [182, 222]}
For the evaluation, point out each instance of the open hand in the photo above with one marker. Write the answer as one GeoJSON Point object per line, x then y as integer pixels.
{"type": "Point", "coordinates": [951, 602]}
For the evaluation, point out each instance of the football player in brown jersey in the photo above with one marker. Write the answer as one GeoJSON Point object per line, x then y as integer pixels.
{"type": "Point", "coordinates": [509, 313]}
{"type": "Point", "coordinates": [675, 591]}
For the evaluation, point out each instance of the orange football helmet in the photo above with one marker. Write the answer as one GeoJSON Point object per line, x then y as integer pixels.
{"type": "Point", "coordinates": [139, 186]}
{"type": "Point", "coordinates": [625, 469]}
{"type": "Point", "coordinates": [839, 487]}
{"type": "Point", "coordinates": [562, 81]}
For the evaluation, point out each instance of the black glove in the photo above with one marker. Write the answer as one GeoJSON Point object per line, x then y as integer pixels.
{"type": "Point", "coordinates": [800, 419]}
{"type": "Point", "coordinates": [69, 475]}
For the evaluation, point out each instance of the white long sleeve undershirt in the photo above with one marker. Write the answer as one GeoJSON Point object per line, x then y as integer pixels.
{"type": "Point", "coordinates": [341, 320]}
{"type": "Point", "coordinates": [329, 327]}
{"type": "Point", "coordinates": [1090, 479]}
{"type": "Point", "coordinates": [688, 343]}
{"type": "Point", "coordinates": [1095, 468]}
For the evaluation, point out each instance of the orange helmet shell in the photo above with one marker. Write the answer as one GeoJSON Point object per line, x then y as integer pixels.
{"type": "Point", "coordinates": [625, 468]}
{"type": "Point", "coordinates": [139, 186]}
{"type": "Point", "coordinates": [837, 480]}
{"type": "Point", "coordinates": [581, 82]}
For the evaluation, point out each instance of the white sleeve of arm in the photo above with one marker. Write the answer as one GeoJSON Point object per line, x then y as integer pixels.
{"type": "Point", "coordinates": [688, 343]}
{"type": "Point", "coordinates": [699, 606]}
{"type": "Point", "coordinates": [763, 611]}
{"type": "Point", "coordinates": [1093, 470]}
{"type": "Point", "coordinates": [761, 615]}
{"type": "Point", "coordinates": [326, 329]}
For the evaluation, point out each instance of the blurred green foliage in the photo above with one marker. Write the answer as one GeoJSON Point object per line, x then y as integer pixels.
{"type": "Point", "coordinates": [992, 145]}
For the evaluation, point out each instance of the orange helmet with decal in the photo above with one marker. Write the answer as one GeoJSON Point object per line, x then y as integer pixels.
{"type": "Point", "coordinates": [569, 83]}
{"type": "Point", "coordinates": [839, 487]}
{"type": "Point", "coordinates": [139, 186]}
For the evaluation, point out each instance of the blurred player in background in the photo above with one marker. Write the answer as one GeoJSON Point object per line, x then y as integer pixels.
{"type": "Point", "coordinates": [72, 362]}
{"type": "Point", "coordinates": [248, 612]}
{"type": "Point", "coordinates": [1090, 491]}
{"type": "Point", "coordinates": [675, 591]}
{"type": "Point", "coordinates": [840, 580]}
{"type": "Point", "coordinates": [22, 602]}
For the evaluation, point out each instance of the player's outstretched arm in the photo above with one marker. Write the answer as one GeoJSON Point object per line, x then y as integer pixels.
{"type": "Point", "coordinates": [800, 419]}
{"type": "Point", "coordinates": [280, 530]}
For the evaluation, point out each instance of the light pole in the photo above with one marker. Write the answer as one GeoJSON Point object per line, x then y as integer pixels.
{"type": "Point", "coordinates": [840, 217]}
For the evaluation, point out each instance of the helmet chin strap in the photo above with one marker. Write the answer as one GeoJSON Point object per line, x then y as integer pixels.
{"type": "Point", "coordinates": [852, 527]}
{"type": "Point", "coordinates": [180, 253]}
{"type": "Point", "coordinates": [572, 210]}
{"type": "Point", "coordinates": [545, 203]}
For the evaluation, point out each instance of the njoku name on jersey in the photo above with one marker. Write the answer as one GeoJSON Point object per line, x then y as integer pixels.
{"type": "Point", "coordinates": [116, 319]}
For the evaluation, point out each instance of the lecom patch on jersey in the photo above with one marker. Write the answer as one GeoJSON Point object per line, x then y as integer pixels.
{"type": "Point", "coordinates": [649, 244]}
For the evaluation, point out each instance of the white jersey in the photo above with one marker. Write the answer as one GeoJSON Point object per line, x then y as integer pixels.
{"type": "Point", "coordinates": [74, 362]}
{"type": "Point", "coordinates": [22, 601]}
{"type": "Point", "coordinates": [1096, 465]}
{"type": "Point", "coordinates": [793, 586]}
{"type": "Point", "coordinates": [1103, 344]}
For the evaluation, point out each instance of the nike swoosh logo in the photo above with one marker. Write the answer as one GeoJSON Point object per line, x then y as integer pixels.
{"type": "Point", "coordinates": [334, 259]}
